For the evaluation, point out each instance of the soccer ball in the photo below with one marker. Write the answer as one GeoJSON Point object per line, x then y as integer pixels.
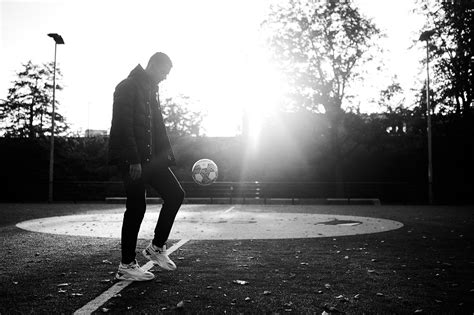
{"type": "Point", "coordinates": [204, 172]}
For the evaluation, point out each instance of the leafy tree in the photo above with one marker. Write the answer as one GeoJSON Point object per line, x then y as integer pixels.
{"type": "Point", "coordinates": [391, 102]}
{"type": "Point", "coordinates": [179, 119]}
{"type": "Point", "coordinates": [451, 58]}
{"type": "Point", "coordinates": [27, 110]}
{"type": "Point", "coordinates": [319, 45]}
{"type": "Point", "coordinates": [451, 52]}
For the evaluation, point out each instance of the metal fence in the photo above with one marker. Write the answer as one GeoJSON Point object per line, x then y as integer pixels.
{"type": "Point", "coordinates": [390, 192]}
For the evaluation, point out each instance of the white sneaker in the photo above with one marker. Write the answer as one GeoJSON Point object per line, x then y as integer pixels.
{"type": "Point", "coordinates": [133, 272]}
{"type": "Point", "coordinates": [159, 257]}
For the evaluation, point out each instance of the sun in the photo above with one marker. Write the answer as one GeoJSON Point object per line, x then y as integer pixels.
{"type": "Point", "coordinates": [264, 94]}
{"type": "Point", "coordinates": [224, 65]}
{"type": "Point", "coordinates": [231, 86]}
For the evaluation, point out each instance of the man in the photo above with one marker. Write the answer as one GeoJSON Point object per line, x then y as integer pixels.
{"type": "Point", "coordinates": [140, 147]}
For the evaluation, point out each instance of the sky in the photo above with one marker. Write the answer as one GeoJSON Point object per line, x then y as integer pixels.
{"type": "Point", "coordinates": [219, 57]}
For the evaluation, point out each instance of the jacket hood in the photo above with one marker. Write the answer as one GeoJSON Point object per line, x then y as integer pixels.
{"type": "Point", "coordinates": [139, 74]}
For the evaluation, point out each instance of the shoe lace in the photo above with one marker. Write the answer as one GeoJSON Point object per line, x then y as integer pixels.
{"type": "Point", "coordinates": [134, 265]}
{"type": "Point", "coordinates": [159, 250]}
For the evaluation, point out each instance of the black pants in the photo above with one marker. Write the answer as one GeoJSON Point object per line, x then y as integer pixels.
{"type": "Point", "coordinates": [167, 186]}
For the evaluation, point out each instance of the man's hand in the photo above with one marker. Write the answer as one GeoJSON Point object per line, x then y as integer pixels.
{"type": "Point", "coordinates": [135, 171]}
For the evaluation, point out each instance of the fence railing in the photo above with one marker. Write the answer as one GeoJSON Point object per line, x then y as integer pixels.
{"type": "Point", "coordinates": [244, 191]}
{"type": "Point", "coordinates": [21, 190]}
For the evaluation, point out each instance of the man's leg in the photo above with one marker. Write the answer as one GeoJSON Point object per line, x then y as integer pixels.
{"type": "Point", "coordinates": [165, 183]}
{"type": "Point", "coordinates": [133, 216]}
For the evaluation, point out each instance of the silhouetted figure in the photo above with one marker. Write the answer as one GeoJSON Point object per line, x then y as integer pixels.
{"type": "Point", "coordinates": [140, 147]}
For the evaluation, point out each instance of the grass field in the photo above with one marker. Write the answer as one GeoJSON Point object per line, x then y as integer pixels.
{"type": "Point", "coordinates": [427, 266]}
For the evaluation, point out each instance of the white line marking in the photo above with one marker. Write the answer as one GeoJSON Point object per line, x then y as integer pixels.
{"type": "Point", "coordinates": [230, 209]}
{"type": "Point", "coordinates": [119, 286]}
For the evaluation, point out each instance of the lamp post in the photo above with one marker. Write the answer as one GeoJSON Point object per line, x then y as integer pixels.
{"type": "Point", "coordinates": [425, 36]}
{"type": "Point", "coordinates": [58, 40]}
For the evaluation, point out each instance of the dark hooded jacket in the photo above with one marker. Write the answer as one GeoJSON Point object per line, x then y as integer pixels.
{"type": "Point", "coordinates": [138, 133]}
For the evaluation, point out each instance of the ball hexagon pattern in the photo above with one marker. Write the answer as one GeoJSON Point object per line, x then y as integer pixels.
{"type": "Point", "coordinates": [204, 172]}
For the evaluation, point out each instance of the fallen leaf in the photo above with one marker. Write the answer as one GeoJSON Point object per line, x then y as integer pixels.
{"type": "Point", "coordinates": [241, 282]}
{"type": "Point", "coordinates": [104, 310]}
{"type": "Point", "coordinates": [267, 292]}
{"type": "Point", "coordinates": [180, 304]}
{"type": "Point", "coordinates": [327, 286]}
{"type": "Point", "coordinates": [248, 299]}
{"type": "Point", "coordinates": [106, 261]}
{"type": "Point", "coordinates": [331, 309]}
{"type": "Point", "coordinates": [62, 285]}
{"type": "Point", "coordinates": [357, 296]}
{"type": "Point", "coordinates": [418, 311]}
{"type": "Point", "coordinates": [380, 294]}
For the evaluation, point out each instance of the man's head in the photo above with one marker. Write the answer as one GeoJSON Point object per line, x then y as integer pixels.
{"type": "Point", "coordinates": [158, 67]}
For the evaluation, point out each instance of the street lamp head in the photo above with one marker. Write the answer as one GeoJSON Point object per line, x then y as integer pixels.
{"type": "Point", "coordinates": [57, 38]}
{"type": "Point", "coordinates": [426, 35]}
